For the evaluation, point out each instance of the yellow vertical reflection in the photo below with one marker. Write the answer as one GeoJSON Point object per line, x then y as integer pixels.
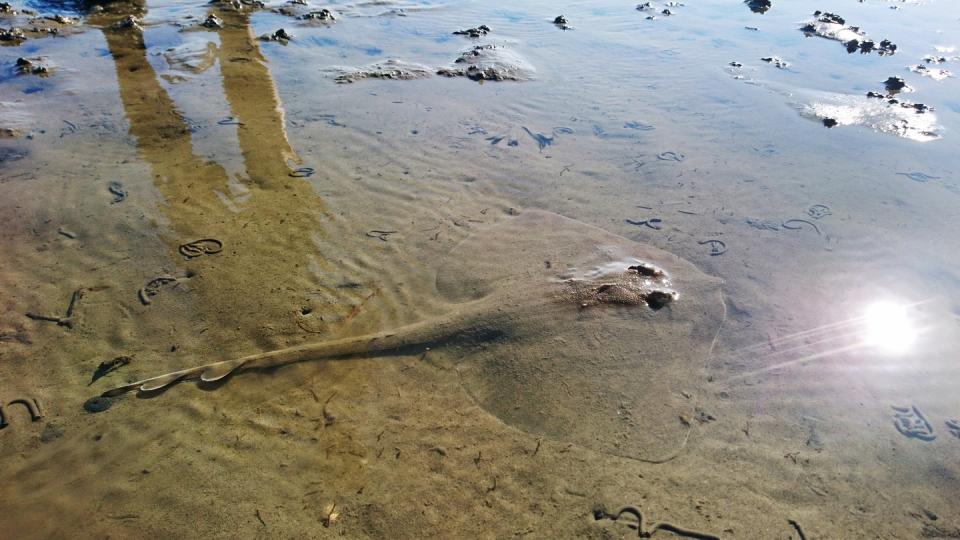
{"type": "Point", "coordinates": [268, 234]}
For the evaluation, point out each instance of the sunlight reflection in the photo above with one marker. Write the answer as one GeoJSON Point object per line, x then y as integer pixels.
{"type": "Point", "coordinates": [888, 328]}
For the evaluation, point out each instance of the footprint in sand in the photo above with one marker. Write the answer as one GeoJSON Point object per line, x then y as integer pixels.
{"type": "Point", "coordinates": [910, 422]}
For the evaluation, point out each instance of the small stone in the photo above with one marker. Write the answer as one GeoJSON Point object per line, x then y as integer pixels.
{"type": "Point", "coordinates": [322, 15]}
{"type": "Point", "coordinates": [213, 21]}
{"type": "Point", "coordinates": [51, 432]}
{"type": "Point", "coordinates": [128, 22]}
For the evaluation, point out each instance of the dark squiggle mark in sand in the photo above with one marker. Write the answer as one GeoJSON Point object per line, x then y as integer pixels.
{"type": "Point", "coordinates": [542, 140]}
{"type": "Point", "coordinates": [653, 223]}
{"type": "Point", "coordinates": [670, 155]}
{"type": "Point", "coordinates": [918, 176]}
{"type": "Point", "coordinates": [302, 172]}
{"type": "Point", "coordinates": [818, 211]}
{"type": "Point", "coordinates": [953, 426]}
{"type": "Point", "coordinates": [380, 235]}
{"type": "Point", "coordinates": [329, 119]}
{"type": "Point", "coordinates": [205, 246]}
{"type": "Point", "coordinates": [32, 405]}
{"type": "Point", "coordinates": [495, 140]}
{"type": "Point", "coordinates": [764, 224]}
{"type": "Point", "coordinates": [152, 288]}
{"type": "Point", "coordinates": [795, 225]}
{"type": "Point", "coordinates": [717, 247]}
{"type": "Point", "coordinates": [116, 189]}
{"type": "Point", "coordinates": [638, 126]}
{"type": "Point", "coordinates": [796, 526]}
{"type": "Point", "coordinates": [602, 133]}
{"type": "Point", "coordinates": [67, 319]}
{"type": "Point", "coordinates": [645, 530]}
{"type": "Point", "coordinates": [910, 422]}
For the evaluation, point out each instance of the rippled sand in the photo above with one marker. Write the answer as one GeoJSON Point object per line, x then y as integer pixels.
{"type": "Point", "coordinates": [338, 205]}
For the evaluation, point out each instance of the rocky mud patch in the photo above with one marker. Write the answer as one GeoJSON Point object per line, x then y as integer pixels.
{"type": "Point", "coordinates": [832, 26]}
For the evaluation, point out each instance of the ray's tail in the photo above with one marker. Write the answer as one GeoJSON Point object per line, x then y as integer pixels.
{"type": "Point", "coordinates": [422, 333]}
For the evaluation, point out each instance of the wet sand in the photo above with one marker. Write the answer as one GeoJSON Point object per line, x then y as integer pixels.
{"type": "Point", "coordinates": [338, 205]}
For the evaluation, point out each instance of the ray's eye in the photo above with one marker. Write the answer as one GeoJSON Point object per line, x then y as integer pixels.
{"type": "Point", "coordinates": [658, 299]}
{"type": "Point", "coordinates": [647, 270]}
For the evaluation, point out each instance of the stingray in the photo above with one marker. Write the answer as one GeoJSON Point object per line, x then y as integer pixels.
{"type": "Point", "coordinates": [557, 328]}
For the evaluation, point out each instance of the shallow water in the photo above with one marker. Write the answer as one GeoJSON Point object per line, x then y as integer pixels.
{"type": "Point", "coordinates": [338, 204]}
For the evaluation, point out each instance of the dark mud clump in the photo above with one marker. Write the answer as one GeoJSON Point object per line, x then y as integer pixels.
{"type": "Point", "coordinates": [128, 23]}
{"type": "Point", "coordinates": [477, 32]}
{"type": "Point", "coordinates": [653, 9]}
{"type": "Point", "coordinates": [489, 63]}
{"type": "Point", "coordinates": [212, 21]}
{"type": "Point", "coordinates": [832, 26]}
{"type": "Point", "coordinates": [780, 63]}
{"type": "Point", "coordinates": [937, 74]}
{"type": "Point", "coordinates": [561, 22]}
{"type": "Point", "coordinates": [884, 112]}
{"type": "Point", "coordinates": [387, 70]}
{"type": "Point", "coordinates": [895, 85]}
{"type": "Point", "coordinates": [12, 35]}
{"type": "Point", "coordinates": [239, 5]}
{"type": "Point", "coordinates": [323, 15]}
{"type": "Point", "coordinates": [31, 66]}
{"type": "Point", "coordinates": [759, 6]}
{"type": "Point", "coordinates": [280, 35]}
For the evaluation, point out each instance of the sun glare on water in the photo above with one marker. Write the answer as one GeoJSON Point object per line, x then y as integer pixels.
{"type": "Point", "coordinates": [888, 328]}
